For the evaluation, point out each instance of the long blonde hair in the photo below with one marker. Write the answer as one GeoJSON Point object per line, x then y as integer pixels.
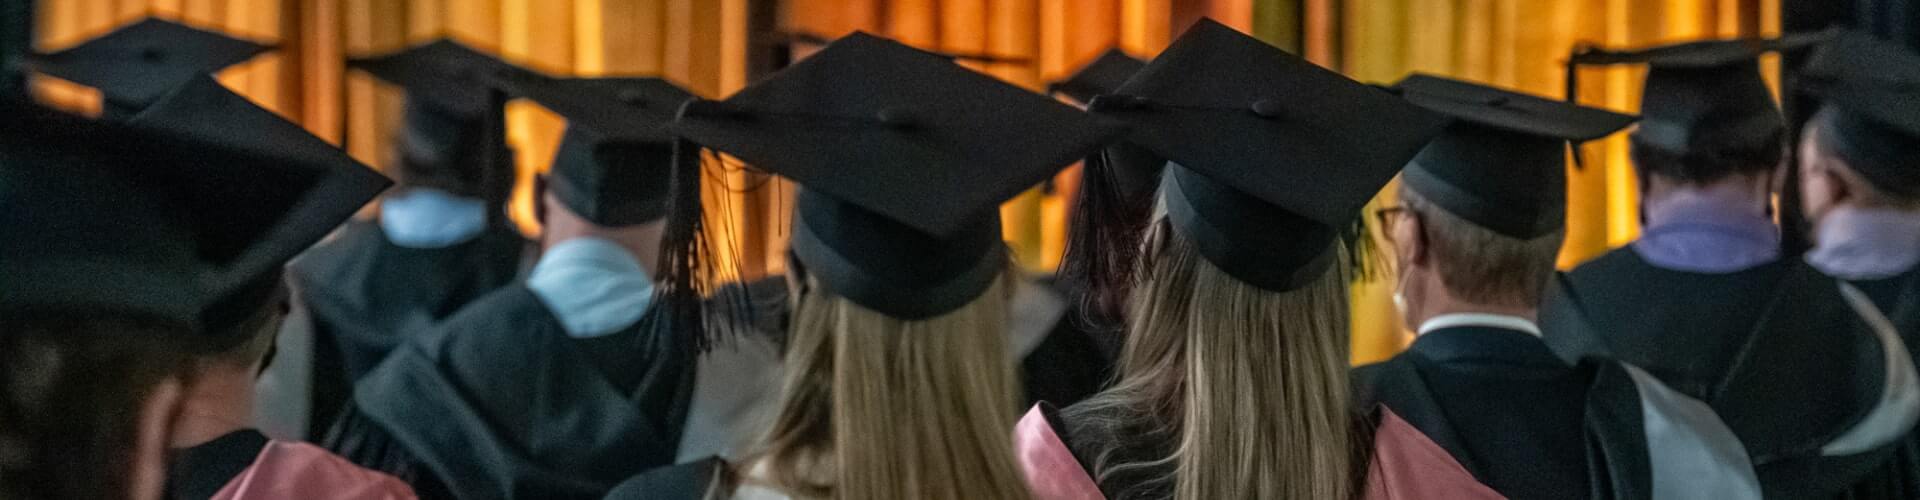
{"type": "Point", "coordinates": [1246, 389]}
{"type": "Point", "coordinates": [881, 408]}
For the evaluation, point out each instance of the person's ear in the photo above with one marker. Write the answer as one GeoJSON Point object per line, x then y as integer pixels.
{"type": "Point", "coordinates": [1410, 238]}
{"type": "Point", "coordinates": [147, 479]}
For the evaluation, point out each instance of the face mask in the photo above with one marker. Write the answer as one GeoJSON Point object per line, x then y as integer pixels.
{"type": "Point", "coordinates": [593, 286]}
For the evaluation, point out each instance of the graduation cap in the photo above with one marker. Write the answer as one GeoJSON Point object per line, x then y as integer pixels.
{"type": "Point", "coordinates": [1872, 118]}
{"type": "Point", "coordinates": [1272, 156]}
{"type": "Point", "coordinates": [904, 158]}
{"type": "Point", "coordinates": [451, 113]}
{"type": "Point", "coordinates": [166, 219]}
{"type": "Point", "coordinates": [136, 64]}
{"type": "Point", "coordinates": [614, 164]}
{"type": "Point", "coordinates": [790, 39]}
{"type": "Point", "coordinates": [1101, 76]}
{"type": "Point", "coordinates": [1502, 164]}
{"type": "Point", "coordinates": [295, 190]}
{"type": "Point", "coordinates": [1699, 89]}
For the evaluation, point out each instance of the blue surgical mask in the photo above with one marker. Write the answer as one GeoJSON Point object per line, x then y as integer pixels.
{"type": "Point", "coordinates": [431, 218]}
{"type": "Point", "coordinates": [593, 286]}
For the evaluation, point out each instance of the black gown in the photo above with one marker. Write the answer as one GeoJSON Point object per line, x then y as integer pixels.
{"type": "Point", "coordinates": [1532, 426]}
{"type": "Point", "coordinates": [1899, 297]}
{"type": "Point", "coordinates": [1776, 350]}
{"type": "Point", "coordinates": [499, 402]}
{"type": "Point", "coordinates": [199, 472]}
{"type": "Point", "coordinates": [1498, 400]}
{"type": "Point", "coordinates": [365, 295]}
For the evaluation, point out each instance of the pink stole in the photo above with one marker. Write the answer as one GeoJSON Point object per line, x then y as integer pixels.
{"type": "Point", "coordinates": [1052, 472]}
{"type": "Point", "coordinates": [300, 470]}
{"type": "Point", "coordinates": [1406, 465]}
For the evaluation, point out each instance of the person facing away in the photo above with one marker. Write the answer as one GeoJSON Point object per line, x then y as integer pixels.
{"type": "Point", "coordinates": [1689, 301]}
{"type": "Point", "coordinates": [441, 240]}
{"type": "Point", "coordinates": [452, 410]}
{"type": "Point", "coordinates": [216, 453]}
{"type": "Point", "coordinates": [1475, 238]}
{"type": "Point", "coordinates": [1233, 375]}
{"type": "Point", "coordinates": [192, 217]}
{"type": "Point", "coordinates": [898, 380]}
{"type": "Point", "coordinates": [1860, 187]}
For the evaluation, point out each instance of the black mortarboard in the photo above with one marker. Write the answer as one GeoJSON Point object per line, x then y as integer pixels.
{"type": "Point", "coordinates": [1698, 90]}
{"type": "Point", "coordinates": [614, 164]}
{"type": "Point", "coordinates": [1101, 76]}
{"type": "Point", "coordinates": [296, 189]}
{"type": "Point", "coordinates": [449, 112]}
{"type": "Point", "coordinates": [136, 64]}
{"type": "Point", "coordinates": [157, 222]}
{"type": "Point", "coordinates": [904, 158]}
{"type": "Point", "coordinates": [1502, 164]}
{"type": "Point", "coordinates": [789, 39]}
{"type": "Point", "coordinates": [1872, 91]}
{"type": "Point", "coordinates": [1273, 157]}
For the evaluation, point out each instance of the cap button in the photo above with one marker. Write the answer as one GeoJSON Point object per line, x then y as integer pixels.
{"type": "Point", "coordinates": [895, 118]}
{"type": "Point", "coordinates": [152, 54]}
{"type": "Point", "coordinates": [1268, 108]}
{"type": "Point", "coordinates": [1498, 101]}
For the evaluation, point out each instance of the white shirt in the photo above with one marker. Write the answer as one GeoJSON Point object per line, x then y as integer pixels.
{"type": "Point", "coordinates": [593, 286]}
{"type": "Point", "coordinates": [1488, 320]}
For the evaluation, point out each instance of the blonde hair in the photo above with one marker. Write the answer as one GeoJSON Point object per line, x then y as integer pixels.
{"type": "Point", "coordinates": [1247, 387]}
{"type": "Point", "coordinates": [1482, 266]}
{"type": "Point", "coordinates": [876, 407]}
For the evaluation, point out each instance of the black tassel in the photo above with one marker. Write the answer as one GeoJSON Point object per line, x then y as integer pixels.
{"type": "Point", "coordinates": [1365, 261]}
{"type": "Point", "coordinates": [684, 251]}
{"type": "Point", "coordinates": [1573, 97]}
{"type": "Point", "coordinates": [1103, 245]}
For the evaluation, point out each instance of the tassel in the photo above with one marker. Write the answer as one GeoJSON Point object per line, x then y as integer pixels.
{"type": "Point", "coordinates": [683, 250]}
{"type": "Point", "coordinates": [1365, 261]}
{"type": "Point", "coordinates": [1103, 245]}
{"type": "Point", "coordinates": [1573, 97]}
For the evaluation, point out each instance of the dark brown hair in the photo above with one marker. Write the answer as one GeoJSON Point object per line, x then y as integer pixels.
{"type": "Point", "coordinates": [71, 392]}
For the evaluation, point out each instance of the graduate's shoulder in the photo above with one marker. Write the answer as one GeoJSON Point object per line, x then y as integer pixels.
{"type": "Point", "coordinates": [354, 243]}
{"type": "Point", "coordinates": [688, 481]}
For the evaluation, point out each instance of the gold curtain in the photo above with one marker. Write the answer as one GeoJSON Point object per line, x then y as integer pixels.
{"type": "Point", "coordinates": [1523, 44]}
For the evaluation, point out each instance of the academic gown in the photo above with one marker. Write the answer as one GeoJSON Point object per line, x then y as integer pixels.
{"type": "Point", "coordinates": [1797, 370]}
{"type": "Point", "coordinates": [246, 465]}
{"type": "Point", "coordinates": [365, 294]}
{"type": "Point", "coordinates": [499, 402]}
{"type": "Point", "coordinates": [1899, 297]}
{"type": "Point", "coordinates": [1498, 400]}
{"type": "Point", "coordinates": [1529, 425]}
{"type": "Point", "coordinates": [1467, 413]}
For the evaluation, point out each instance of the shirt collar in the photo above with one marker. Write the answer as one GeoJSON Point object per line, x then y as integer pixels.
{"type": "Point", "coordinates": [1708, 231]}
{"type": "Point", "coordinates": [1856, 243]}
{"type": "Point", "coordinates": [1489, 320]}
